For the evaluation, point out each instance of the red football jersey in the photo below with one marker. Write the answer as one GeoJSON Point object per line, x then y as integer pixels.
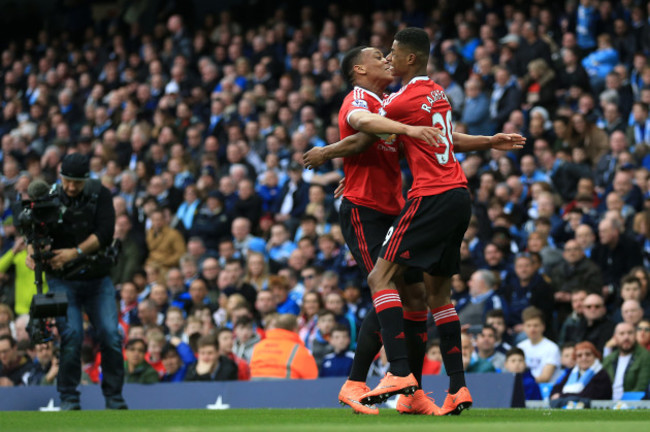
{"type": "Point", "coordinates": [435, 170]}
{"type": "Point", "coordinates": [373, 178]}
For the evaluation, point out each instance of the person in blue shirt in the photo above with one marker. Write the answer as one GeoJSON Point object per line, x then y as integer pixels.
{"type": "Point", "coordinates": [339, 362]}
{"type": "Point", "coordinates": [516, 363]}
{"type": "Point", "coordinates": [279, 287]}
{"type": "Point", "coordinates": [600, 62]}
{"type": "Point", "coordinates": [175, 368]}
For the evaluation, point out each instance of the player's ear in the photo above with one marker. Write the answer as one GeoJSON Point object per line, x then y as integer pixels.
{"type": "Point", "coordinates": [360, 69]}
{"type": "Point", "coordinates": [411, 59]}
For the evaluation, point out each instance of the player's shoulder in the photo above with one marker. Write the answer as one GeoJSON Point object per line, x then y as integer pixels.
{"type": "Point", "coordinates": [363, 98]}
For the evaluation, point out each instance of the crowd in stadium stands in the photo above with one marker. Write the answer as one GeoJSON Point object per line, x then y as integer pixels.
{"type": "Point", "coordinates": [198, 127]}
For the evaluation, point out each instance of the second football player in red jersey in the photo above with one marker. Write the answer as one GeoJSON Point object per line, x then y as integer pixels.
{"type": "Point", "coordinates": [428, 232]}
{"type": "Point", "coordinates": [372, 200]}
{"type": "Point", "coordinates": [368, 218]}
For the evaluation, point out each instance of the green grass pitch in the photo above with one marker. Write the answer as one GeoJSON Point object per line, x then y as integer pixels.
{"type": "Point", "coordinates": [339, 420]}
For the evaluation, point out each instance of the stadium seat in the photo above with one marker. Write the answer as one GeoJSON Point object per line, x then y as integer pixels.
{"type": "Point", "coordinates": [632, 396]}
{"type": "Point", "coordinates": [545, 389]}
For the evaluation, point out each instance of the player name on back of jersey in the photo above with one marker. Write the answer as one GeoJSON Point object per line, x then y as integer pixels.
{"type": "Point", "coordinates": [432, 98]}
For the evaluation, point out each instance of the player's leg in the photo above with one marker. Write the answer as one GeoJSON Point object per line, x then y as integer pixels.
{"type": "Point", "coordinates": [364, 230]}
{"type": "Point", "coordinates": [444, 314]}
{"type": "Point", "coordinates": [413, 294]}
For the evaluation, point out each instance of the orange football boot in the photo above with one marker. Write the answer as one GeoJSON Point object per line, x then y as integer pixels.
{"type": "Point", "coordinates": [457, 402]}
{"type": "Point", "coordinates": [350, 394]}
{"type": "Point", "coordinates": [390, 385]}
{"type": "Point", "coordinates": [419, 403]}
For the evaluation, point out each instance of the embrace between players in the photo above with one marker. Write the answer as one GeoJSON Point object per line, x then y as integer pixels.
{"type": "Point", "coordinates": [408, 249]}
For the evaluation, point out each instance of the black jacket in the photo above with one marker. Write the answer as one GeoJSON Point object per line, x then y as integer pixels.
{"type": "Point", "coordinates": [226, 371]}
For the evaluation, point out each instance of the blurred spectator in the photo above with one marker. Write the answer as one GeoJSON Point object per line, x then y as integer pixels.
{"type": "Point", "coordinates": [572, 321]}
{"type": "Point", "coordinates": [482, 299]}
{"type": "Point", "coordinates": [432, 359]}
{"type": "Point", "coordinates": [505, 97]}
{"type": "Point", "coordinates": [615, 254]}
{"type": "Point", "coordinates": [567, 356]}
{"type": "Point", "coordinates": [24, 287]}
{"type": "Point", "coordinates": [166, 245]}
{"type": "Point", "coordinates": [516, 363]}
{"type": "Point", "coordinates": [600, 62]}
{"type": "Point", "coordinates": [281, 355]}
{"type": "Point", "coordinates": [486, 358]}
{"type": "Point", "coordinates": [279, 288]}
{"type": "Point", "coordinates": [497, 320]}
{"type": "Point", "coordinates": [527, 288]}
{"type": "Point", "coordinates": [628, 365]}
{"type": "Point", "coordinates": [130, 258]}
{"type": "Point", "coordinates": [46, 365]}
{"type": "Point", "coordinates": [338, 362]}
{"type": "Point", "coordinates": [320, 345]}
{"type": "Point", "coordinates": [136, 369]}
{"type": "Point", "coordinates": [226, 341]}
{"type": "Point", "coordinates": [574, 272]}
{"type": "Point", "coordinates": [211, 366]}
{"type": "Point", "coordinates": [542, 355]}
{"type": "Point", "coordinates": [476, 113]}
{"type": "Point", "coordinates": [175, 369]}
{"type": "Point", "coordinates": [245, 338]}
{"type": "Point", "coordinates": [594, 326]}
{"type": "Point", "coordinates": [643, 333]}
{"type": "Point", "coordinates": [210, 221]}
{"type": "Point", "coordinates": [584, 382]}
{"type": "Point", "coordinates": [312, 303]}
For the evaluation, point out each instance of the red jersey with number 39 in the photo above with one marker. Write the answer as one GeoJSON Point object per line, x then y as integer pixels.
{"type": "Point", "coordinates": [435, 170]}
{"type": "Point", "coordinates": [373, 178]}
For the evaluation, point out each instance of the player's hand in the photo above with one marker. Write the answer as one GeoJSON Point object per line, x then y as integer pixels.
{"type": "Point", "coordinates": [431, 135]}
{"type": "Point", "coordinates": [339, 189]}
{"type": "Point", "coordinates": [313, 158]}
{"type": "Point", "coordinates": [507, 142]}
{"type": "Point", "coordinates": [61, 257]}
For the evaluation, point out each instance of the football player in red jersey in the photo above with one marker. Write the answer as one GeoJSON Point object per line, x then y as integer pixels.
{"type": "Point", "coordinates": [364, 220]}
{"type": "Point", "coordinates": [372, 200]}
{"type": "Point", "coordinates": [428, 232]}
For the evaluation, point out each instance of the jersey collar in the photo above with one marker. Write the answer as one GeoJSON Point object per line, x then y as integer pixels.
{"type": "Point", "coordinates": [369, 93]}
{"type": "Point", "coordinates": [418, 78]}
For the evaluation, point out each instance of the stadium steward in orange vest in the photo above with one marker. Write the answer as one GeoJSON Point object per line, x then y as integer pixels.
{"type": "Point", "coordinates": [282, 355]}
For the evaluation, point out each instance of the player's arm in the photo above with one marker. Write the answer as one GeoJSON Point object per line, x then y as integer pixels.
{"type": "Point", "coordinates": [348, 146]}
{"type": "Point", "coordinates": [370, 123]}
{"type": "Point", "coordinates": [466, 143]}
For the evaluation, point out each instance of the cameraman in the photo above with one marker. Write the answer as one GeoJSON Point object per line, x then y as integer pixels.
{"type": "Point", "coordinates": [88, 221]}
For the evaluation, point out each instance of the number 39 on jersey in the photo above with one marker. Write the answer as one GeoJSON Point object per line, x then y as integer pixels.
{"type": "Point", "coordinates": [444, 124]}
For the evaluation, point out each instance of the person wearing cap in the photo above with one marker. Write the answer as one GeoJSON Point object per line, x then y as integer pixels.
{"type": "Point", "coordinates": [88, 224]}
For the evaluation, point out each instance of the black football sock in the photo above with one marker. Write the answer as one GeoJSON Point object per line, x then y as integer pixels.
{"type": "Point", "coordinates": [368, 345]}
{"type": "Point", "coordinates": [389, 312]}
{"type": "Point", "coordinates": [450, 346]}
{"type": "Point", "coordinates": [415, 328]}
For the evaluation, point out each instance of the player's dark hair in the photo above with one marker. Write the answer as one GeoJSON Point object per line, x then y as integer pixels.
{"type": "Point", "coordinates": [415, 40]}
{"type": "Point", "coordinates": [350, 59]}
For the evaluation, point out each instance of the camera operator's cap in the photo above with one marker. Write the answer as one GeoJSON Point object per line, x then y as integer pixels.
{"type": "Point", "coordinates": [75, 166]}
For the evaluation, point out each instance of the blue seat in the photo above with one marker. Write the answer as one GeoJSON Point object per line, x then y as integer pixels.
{"type": "Point", "coordinates": [545, 389]}
{"type": "Point", "coordinates": [633, 396]}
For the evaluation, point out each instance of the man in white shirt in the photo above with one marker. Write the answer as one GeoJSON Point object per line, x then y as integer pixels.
{"type": "Point", "coordinates": [542, 355]}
